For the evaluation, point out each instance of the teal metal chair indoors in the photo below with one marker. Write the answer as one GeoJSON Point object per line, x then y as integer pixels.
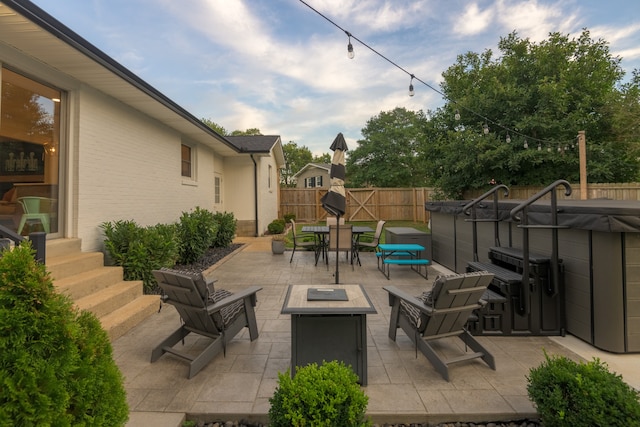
{"type": "Point", "coordinates": [36, 209]}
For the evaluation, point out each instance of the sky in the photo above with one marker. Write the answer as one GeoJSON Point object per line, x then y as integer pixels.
{"type": "Point", "coordinates": [281, 67]}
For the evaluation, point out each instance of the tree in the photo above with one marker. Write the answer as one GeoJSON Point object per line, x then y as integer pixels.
{"type": "Point", "coordinates": [388, 154]}
{"type": "Point", "coordinates": [213, 125]}
{"type": "Point", "coordinates": [248, 132]}
{"type": "Point", "coordinates": [322, 158]}
{"type": "Point", "coordinates": [537, 96]}
{"type": "Point", "coordinates": [295, 158]}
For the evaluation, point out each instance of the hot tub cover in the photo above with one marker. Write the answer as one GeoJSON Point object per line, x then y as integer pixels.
{"type": "Point", "coordinates": [598, 215]}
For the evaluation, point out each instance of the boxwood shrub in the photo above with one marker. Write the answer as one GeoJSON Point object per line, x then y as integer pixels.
{"type": "Point", "coordinates": [567, 393]}
{"type": "Point", "coordinates": [320, 396]}
{"type": "Point", "coordinates": [56, 364]}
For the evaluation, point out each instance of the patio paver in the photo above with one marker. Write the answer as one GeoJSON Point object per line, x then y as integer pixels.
{"type": "Point", "coordinates": [403, 386]}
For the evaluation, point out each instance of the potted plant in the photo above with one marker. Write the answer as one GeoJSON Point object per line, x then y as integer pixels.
{"type": "Point", "coordinates": [278, 242]}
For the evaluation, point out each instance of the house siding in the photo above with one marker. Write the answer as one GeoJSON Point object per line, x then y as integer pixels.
{"type": "Point", "coordinates": [129, 169]}
{"type": "Point", "coordinates": [313, 172]}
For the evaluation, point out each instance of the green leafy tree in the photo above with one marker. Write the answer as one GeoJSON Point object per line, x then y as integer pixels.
{"type": "Point", "coordinates": [295, 158]}
{"type": "Point", "coordinates": [537, 96]}
{"type": "Point", "coordinates": [323, 158]}
{"type": "Point", "coordinates": [248, 132]}
{"type": "Point", "coordinates": [388, 154]}
{"type": "Point", "coordinates": [213, 125]}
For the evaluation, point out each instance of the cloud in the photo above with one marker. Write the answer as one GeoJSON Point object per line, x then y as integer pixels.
{"type": "Point", "coordinates": [535, 20]}
{"type": "Point", "coordinates": [472, 21]}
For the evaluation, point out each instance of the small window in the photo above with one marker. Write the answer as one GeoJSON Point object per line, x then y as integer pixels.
{"type": "Point", "coordinates": [319, 181]}
{"type": "Point", "coordinates": [217, 190]}
{"type": "Point", "coordinates": [187, 169]}
{"type": "Point", "coordinates": [312, 182]}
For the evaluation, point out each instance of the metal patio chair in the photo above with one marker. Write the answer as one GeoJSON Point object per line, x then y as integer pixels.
{"type": "Point", "coordinates": [300, 241]}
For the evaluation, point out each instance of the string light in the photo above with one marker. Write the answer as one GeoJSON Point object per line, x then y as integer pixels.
{"type": "Point", "coordinates": [351, 55]}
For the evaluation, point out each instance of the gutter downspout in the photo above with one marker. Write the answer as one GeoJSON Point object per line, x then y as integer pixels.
{"type": "Point", "coordinates": [255, 191]}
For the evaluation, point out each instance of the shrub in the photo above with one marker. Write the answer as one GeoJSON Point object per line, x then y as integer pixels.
{"type": "Point", "coordinates": [324, 396]}
{"type": "Point", "coordinates": [140, 250]}
{"type": "Point", "coordinates": [288, 217]}
{"type": "Point", "coordinates": [226, 229]}
{"type": "Point", "coordinates": [56, 365]}
{"type": "Point", "coordinates": [197, 232]}
{"type": "Point", "coordinates": [567, 393]}
{"type": "Point", "coordinates": [276, 226]}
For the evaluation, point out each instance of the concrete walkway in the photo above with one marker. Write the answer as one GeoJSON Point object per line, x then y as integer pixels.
{"type": "Point", "coordinates": [402, 386]}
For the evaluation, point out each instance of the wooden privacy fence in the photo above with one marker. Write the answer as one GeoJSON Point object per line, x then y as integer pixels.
{"type": "Point", "coordinates": [407, 204]}
{"type": "Point", "coordinates": [363, 204]}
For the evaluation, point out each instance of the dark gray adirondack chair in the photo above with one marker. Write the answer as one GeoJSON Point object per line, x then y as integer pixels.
{"type": "Point", "coordinates": [442, 312]}
{"type": "Point", "coordinates": [216, 314]}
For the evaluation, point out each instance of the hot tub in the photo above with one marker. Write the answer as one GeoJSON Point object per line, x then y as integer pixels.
{"type": "Point", "coordinates": [599, 248]}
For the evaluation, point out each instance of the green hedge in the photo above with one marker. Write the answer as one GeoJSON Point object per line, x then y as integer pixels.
{"type": "Point", "coordinates": [319, 396]}
{"type": "Point", "coordinates": [139, 250]}
{"type": "Point", "coordinates": [569, 394]}
{"type": "Point", "coordinates": [56, 364]}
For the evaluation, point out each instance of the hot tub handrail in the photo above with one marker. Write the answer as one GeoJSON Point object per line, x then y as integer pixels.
{"type": "Point", "coordinates": [554, 288]}
{"type": "Point", "coordinates": [540, 194]}
{"type": "Point", "coordinates": [472, 206]}
{"type": "Point", "coordinates": [494, 191]}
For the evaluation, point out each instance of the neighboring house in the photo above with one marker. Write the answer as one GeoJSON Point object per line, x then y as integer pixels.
{"type": "Point", "coordinates": [103, 145]}
{"type": "Point", "coordinates": [313, 175]}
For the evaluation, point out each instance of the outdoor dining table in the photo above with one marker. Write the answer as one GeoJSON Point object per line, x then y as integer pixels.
{"type": "Point", "coordinates": [322, 231]}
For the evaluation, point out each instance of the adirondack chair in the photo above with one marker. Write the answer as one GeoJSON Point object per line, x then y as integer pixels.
{"type": "Point", "coordinates": [440, 313]}
{"type": "Point", "coordinates": [214, 313]}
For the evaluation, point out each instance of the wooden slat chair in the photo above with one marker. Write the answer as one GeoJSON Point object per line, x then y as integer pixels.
{"type": "Point", "coordinates": [214, 313]}
{"type": "Point", "coordinates": [439, 313]}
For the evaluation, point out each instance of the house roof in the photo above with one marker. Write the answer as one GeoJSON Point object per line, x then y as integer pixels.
{"type": "Point", "coordinates": [324, 166]}
{"type": "Point", "coordinates": [31, 31]}
{"type": "Point", "coordinates": [259, 144]}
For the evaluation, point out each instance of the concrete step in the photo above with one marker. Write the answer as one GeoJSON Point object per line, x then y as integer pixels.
{"type": "Point", "coordinates": [62, 247]}
{"type": "Point", "coordinates": [111, 298]}
{"type": "Point", "coordinates": [83, 284]}
{"type": "Point", "coordinates": [118, 322]}
{"type": "Point", "coordinates": [76, 263]}
{"type": "Point", "coordinates": [119, 305]}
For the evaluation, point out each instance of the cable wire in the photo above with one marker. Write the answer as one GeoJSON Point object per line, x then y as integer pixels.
{"type": "Point", "coordinates": [484, 118]}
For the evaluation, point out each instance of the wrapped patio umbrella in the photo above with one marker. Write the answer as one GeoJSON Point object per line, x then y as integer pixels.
{"type": "Point", "coordinates": [335, 201]}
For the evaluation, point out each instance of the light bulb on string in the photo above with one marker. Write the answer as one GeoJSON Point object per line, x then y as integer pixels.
{"type": "Point", "coordinates": [350, 53]}
{"type": "Point", "coordinates": [548, 149]}
{"type": "Point", "coordinates": [525, 145]}
{"type": "Point", "coordinates": [411, 91]}
{"type": "Point", "coordinates": [559, 149]}
{"type": "Point", "coordinates": [539, 147]}
{"type": "Point", "coordinates": [457, 115]}
{"type": "Point", "coordinates": [485, 129]}
{"type": "Point", "coordinates": [508, 139]}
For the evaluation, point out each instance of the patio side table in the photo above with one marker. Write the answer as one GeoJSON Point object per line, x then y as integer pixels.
{"type": "Point", "coordinates": [328, 329]}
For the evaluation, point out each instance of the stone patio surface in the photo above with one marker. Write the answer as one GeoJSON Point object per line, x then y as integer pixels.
{"type": "Point", "coordinates": [402, 385]}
